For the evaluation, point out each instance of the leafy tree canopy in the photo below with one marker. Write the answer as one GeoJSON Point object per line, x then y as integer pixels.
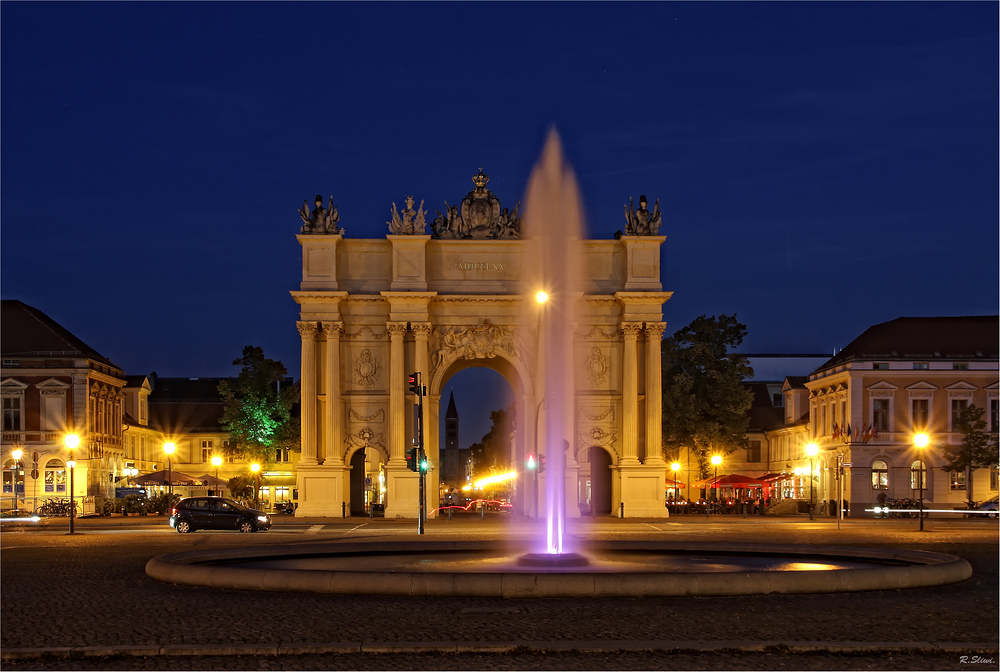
{"type": "Point", "coordinates": [258, 410]}
{"type": "Point", "coordinates": [705, 406]}
{"type": "Point", "coordinates": [978, 448]}
{"type": "Point", "coordinates": [492, 452]}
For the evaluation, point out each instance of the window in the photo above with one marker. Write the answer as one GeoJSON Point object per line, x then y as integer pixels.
{"type": "Point", "coordinates": [132, 453]}
{"type": "Point", "coordinates": [777, 399]}
{"type": "Point", "coordinates": [880, 366]}
{"type": "Point", "coordinates": [994, 420]}
{"type": "Point", "coordinates": [957, 406]}
{"type": "Point", "coordinates": [880, 414]}
{"type": "Point", "coordinates": [922, 366]}
{"type": "Point", "coordinates": [880, 475]}
{"type": "Point", "coordinates": [206, 450]}
{"type": "Point", "coordinates": [55, 476]}
{"type": "Point", "coordinates": [822, 421]}
{"type": "Point", "coordinates": [920, 413]}
{"type": "Point", "coordinates": [753, 452]}
{"type": "Point", "coordinates": [958, 480]}
{"type": "Point", "coordinates": [918, 475]}
{"type": "Point", "coordinates": [281, 493]}
{"type": "Point", "coordinates": [12, 414]}
{"type": "Point", "coordinates": [280, 455]}
{"type": "Point", "coordinates": [960, 366]}
{"type": "Point", "coordinates": [142, 409]}
{"type": "Point", "coordinates": [994, 477]}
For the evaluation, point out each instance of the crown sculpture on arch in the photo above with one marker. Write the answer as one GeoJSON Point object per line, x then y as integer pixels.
{"type": "Point", "coordinates": [478, 216]}
{"type": "Point", "coordinates": [320, 220]}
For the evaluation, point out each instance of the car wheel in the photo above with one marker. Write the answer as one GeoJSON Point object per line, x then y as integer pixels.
{"type": "Point", "coordinates": [183, 526]}
{"type": "Point", "coordinates": [247, 526]}
{"type": "Point", "coordinates": [993, 515]}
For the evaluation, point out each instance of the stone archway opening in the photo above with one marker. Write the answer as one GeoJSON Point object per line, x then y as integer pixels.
{"type": "Point", "coordinates": [366, 481]}
{"type": "Point", "coordinates": [595, 482]}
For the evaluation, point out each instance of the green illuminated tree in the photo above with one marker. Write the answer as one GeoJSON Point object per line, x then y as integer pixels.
{"type": "Point", "coordinates": [258, 408]}
{"type": "Point", "coordinates": [978, 449]}
{"type": "Point", "coordinates": [705, 406]}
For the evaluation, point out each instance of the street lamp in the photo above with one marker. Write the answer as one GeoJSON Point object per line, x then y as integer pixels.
{"type": "Point", "coordinates": [216, 460]}
{"type": "Point", "coordinates": [16, 454]}
{"type": "Point", "coordinates": [255, 468]}
{"type": "Point", "coordinates": [71, 441]}
{"type": "Point", "coordinates": [169, 449]}
{"type": "Point", "coordinates": [811, 451]}
{"type": "Point", "coordinates": [921, 441]}
{"type": "Point", "coordinates": [131, 471]}
{"type": "Point", "coordinates": [716, 460]}
{"type": "Point", "coordinates": [675, 467]}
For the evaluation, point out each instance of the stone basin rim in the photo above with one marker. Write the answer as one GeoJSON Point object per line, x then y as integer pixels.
{"type": "Point", "coordinates": [921, 569]}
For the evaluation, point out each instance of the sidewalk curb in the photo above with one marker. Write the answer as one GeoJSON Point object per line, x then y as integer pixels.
{"type": "Point", "coordinates": [456, 647]}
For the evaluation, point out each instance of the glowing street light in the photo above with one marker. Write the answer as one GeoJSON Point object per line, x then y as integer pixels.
{"type": "Point", "coordinates": [255, 468]}
{"type": "Point", "coordinates": [16, 454]}
{"type": "Point", "coordinates": [216, 460]}
{"type": "Point", "coordinates": [541, 297]}
{"type": "Point", "coordinates": [71, 441]}
{"type": "Point", "coordinates": [169, 449]}
{"type": "Point", "coordinates": [921, 441]}
{"type": "Point", "coordinates": [716, 460]}
{"type": "Point", "coordinates": [811, 450]}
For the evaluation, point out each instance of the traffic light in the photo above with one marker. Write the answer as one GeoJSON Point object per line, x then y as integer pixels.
{"type": "Point", "coordinates": [411, 459]}
{"type": "Point", "coordinates": [423, 463]}
{"type": "Point", "coordinates": [531, 461]}
{"type": "Point", "coordinates": [541, 463]}
{"type": "Point", "coordinates": [413, 382]}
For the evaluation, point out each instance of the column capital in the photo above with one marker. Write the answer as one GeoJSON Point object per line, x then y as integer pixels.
{"type": "Point", "coordinates": [655, 329]}
{"type": "Point", "coordinates": [421, 329]}
{"type": "Point", "coordinates": [333, 329]}
{"type": "Point", "coordinates": [307, 329]}
{"type": "Point", "coordinates": [630, 329]}
{"type": "Point", "coordinates": [396, 329]}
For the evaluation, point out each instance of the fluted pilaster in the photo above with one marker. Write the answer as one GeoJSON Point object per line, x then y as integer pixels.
{"type": "Point", "coordinates": [630, 393]}
{"type": "Point", "coordinates": [307, 332]}
{"type": "Point", "coordinates": [654, 394]}
{"type": "Point", "coordinates": [333, 421]}
{"type": "Point", "coordinates": [397, 416]}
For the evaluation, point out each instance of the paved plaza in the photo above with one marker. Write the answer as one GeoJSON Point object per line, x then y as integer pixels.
{"type": "Point", "coordinates": [84, 602]}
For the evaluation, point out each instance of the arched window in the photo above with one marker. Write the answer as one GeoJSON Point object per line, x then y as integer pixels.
{"type": "Point", "coordinates": [55, 476]}
{"type": "Point", "coordinates": [880, 475]}
{"type": "Point", "coordinates": [11, 474]}
{"type": "Point", "coordinates": [918, 475]}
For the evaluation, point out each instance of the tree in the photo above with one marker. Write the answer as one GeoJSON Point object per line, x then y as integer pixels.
{"type": "Point", "coordinates": [977, 450]}
{"type": "Point", "coordinates": [241, 486]}
{"type": "Point", "coordinates": [492, 452]}
{"type": "Point", "coordinates": [258, 410]}
{"type": "Point", "coordinates": [705, 406]}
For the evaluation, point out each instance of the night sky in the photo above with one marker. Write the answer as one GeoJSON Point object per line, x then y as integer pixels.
{"type": "Point", "coordinates": [821, 167]}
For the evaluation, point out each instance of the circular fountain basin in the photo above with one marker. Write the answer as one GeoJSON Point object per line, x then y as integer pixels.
{"type": "Point", "coordinates": [612, 569]}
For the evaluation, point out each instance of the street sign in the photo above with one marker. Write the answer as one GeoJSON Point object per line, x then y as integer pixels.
{"type": "Point", "coordinates": [34, 474]}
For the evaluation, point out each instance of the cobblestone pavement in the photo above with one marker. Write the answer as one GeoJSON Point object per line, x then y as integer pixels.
{"type": "Point", "coordinates": [90, 590]}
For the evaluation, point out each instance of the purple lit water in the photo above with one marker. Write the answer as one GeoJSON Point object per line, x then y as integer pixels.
{"type": "Point", "coordinates": [553, 225]}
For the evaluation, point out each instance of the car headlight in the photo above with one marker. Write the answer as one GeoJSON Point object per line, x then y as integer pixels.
{"type": "Point", "coordinates": [262, 519]}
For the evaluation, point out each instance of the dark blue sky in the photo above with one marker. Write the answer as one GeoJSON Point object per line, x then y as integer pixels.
{"type": "Point", "coordinates": [821, 166]}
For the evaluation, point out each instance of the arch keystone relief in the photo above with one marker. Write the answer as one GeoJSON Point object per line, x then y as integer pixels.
{"type": "Point", "coordinates": [442, 300]}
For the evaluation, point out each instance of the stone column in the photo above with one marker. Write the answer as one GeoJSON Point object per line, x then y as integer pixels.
{"type": "Point", "coordinates": [630, 393]}
{"type": "Point", "coordinates": [654, 394]}
{"type": "Point", "coordinates": [307, 331]}
{"type": "Point", "coordinates": [397, 414]}
{"type": "Point", "coordinates": [334, 423]}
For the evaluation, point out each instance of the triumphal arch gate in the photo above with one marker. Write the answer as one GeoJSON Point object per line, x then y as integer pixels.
{"type": "Point", "coordinates": [372, 311]}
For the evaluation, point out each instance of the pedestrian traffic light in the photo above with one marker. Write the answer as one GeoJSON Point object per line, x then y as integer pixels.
{"type": "Point", "coordinates": [531, 461]}
{"type": "Point", "coordinates": [413, 381]}
{"type": "Point", "coordinates": [541, 463]}
{"type": "Point", "coordinates": [411, 459]}
{"type": "Point", "coordinates": [423, 463]}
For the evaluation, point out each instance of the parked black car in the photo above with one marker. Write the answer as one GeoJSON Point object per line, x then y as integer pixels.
{"type": "Point", "coordinates": [216, 513]}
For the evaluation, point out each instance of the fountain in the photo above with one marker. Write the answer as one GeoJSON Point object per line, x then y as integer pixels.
{"type": "Point", "coordinates": [549, 568]}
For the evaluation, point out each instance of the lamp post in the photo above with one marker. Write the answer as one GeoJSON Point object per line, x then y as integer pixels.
{"type": "Point", "coordinates": [716, 460]}
{"type": "Point", "coordinates": [921, 441]}
{"type": "Point", "coordinates": [169, 449]}
{"type": "Point", "coordinates": [16, 454]}
{"type": "Point", "coordinates": [811, 451]}
{"type": "Point", "coordinates": [216, 460]}
{"type": "Point", "coordinates": [255, 468]}
{"type": "Point", "coordinates": [674, 468]}
{"type": "Point", "coordinates": [71, 441]}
